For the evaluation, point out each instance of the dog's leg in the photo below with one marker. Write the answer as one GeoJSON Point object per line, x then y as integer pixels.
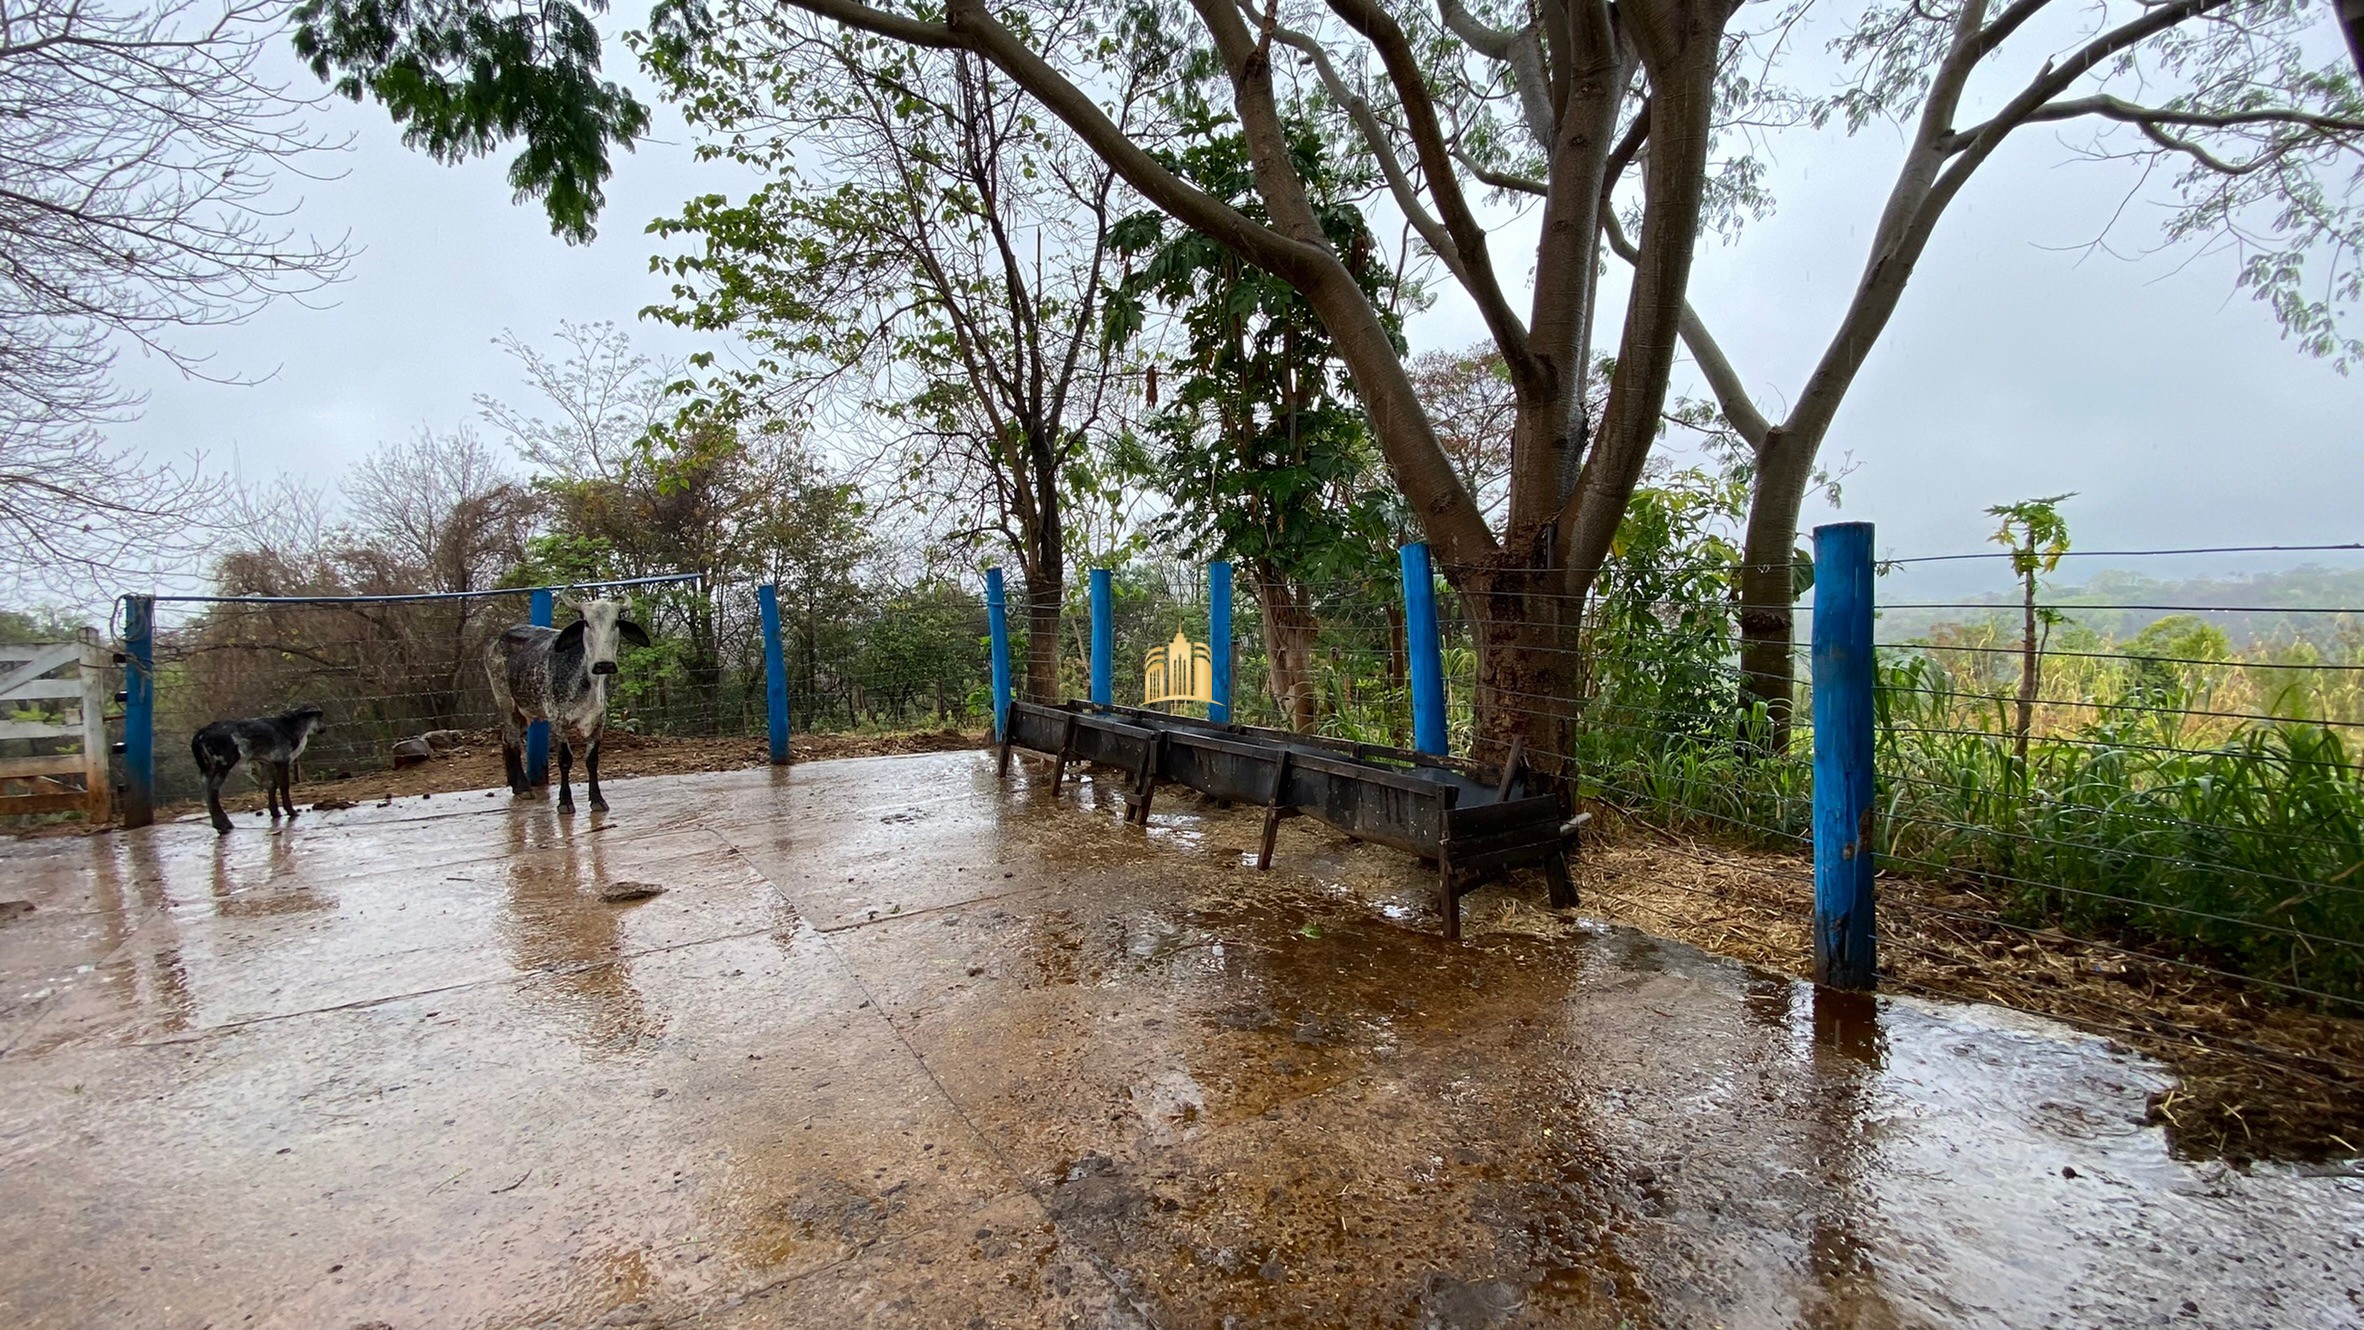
{"type": "Point", "coordinates": [213, 798]}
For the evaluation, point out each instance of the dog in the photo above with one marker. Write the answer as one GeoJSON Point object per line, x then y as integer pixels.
{"type": "Point", "coordinates": [268, 745]}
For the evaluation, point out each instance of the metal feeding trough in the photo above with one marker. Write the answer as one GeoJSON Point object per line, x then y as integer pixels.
{"type": "Point", "coordinates": [1477, 823]}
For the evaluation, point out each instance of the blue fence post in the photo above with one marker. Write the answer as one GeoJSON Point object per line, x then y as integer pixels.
{"type": "Point", "coordinates": [1427, 655]}
{"type": "Point", "coordinates": [139, 710]}
{"type": "Point", "coordinates": [1219, 641]}
{"type": "Point", "coordinates": [1845, 939]}
{"type": "Point", "coordinates": [775, 673]}
{"type": "Point", "coordinates": [1103, 639]}
{"type": "Point", "coordinates": [537, 735]}
{"type": "Point", "coordinates": [997, 617]}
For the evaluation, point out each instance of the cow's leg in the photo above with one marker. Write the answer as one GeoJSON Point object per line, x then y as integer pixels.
{"type": "Point", "coordinates": [270, 774]}
{"type": "Point", "coordinates": [591, 773]}
{"type": "Point", "coordinates": [287, 787]}
{"type": "Point", "coordinates": [566, 767]}
{"type": "Point", "coordinates": [513, 755]}
{"type": "Point", "coordinates": [214, 777]}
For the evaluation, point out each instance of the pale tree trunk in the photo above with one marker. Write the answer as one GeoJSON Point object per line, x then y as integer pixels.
{"type": "Point", "coordinates": [1529, 679]}
{"type": "Point", "coordinates": [2030, 681]}
{"type": "Point", "coordinates": [1768, 586]}
{"type": "Point", "coordinates": [1044, 592]}
{"type": "Point", "coordinates": [1042, 535]}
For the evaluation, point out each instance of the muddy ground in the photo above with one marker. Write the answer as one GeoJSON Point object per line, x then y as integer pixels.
{"type": "Point", "coordinates": [898, 1044]}
{"type": "Point", "coordinates": [2255, 1075]}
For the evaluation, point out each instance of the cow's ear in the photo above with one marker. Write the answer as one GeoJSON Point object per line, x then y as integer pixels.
{"type": "Point", "coordinates": [633, 633]}
{"type": "Point", "coordinates": [570, 638]}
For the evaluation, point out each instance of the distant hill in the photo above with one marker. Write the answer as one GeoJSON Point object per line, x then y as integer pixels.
{"type": "Point", "coordinates": [2252, 609]}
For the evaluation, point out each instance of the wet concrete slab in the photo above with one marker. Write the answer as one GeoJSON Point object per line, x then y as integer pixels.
{"type": "Point", "coordinates": [899, 1045]}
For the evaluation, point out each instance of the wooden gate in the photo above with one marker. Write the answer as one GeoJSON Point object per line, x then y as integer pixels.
{"type": "Point", "coordinates": [51, 691]}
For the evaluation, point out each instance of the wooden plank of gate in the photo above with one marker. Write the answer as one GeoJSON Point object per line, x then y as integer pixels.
{"type": "Point", "coordinates": [39, 661]}
{"type": "Point", "coordinates": [54, 764]}
{"type": "Point", "coordinates": [71, 801]}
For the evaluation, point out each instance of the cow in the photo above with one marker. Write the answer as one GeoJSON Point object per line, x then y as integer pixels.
{"type": "Point", "coordinates": [269, 747]}
{"type": "Point", "coordinates": [559, 675]}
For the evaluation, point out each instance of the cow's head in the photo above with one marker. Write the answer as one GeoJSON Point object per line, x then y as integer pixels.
{"type": "Point", "coordinates": [598, 633]}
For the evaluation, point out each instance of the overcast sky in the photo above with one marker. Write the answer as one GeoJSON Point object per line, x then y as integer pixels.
{"type": "Point", "coordinates": [2020, 364]}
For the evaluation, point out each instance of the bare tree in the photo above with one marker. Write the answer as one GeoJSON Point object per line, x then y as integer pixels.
{"type": "Point", "coordinates": [951, 283]}
{"type": "Point", "coordinates": [605, 400]}
{"type": "Point", "coordinates": [139, 152]}
{"type": "Point", "coordinates": [79, 515]}
{"type": "Point", "coordinates": [437, 512]}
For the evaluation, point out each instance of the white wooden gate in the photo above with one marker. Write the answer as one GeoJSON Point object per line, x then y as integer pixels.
{"type": "Point", "coordinates": [37, 679]}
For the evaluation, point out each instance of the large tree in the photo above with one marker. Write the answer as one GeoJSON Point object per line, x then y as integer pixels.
{"type": "Point", "coordinates": [2251, 117]}
{"type": "Point", "coordinates": [1437, 101]}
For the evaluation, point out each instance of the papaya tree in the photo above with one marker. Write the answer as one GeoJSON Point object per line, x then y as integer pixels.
{"type": "Point", "coordinates": [1260, 448]}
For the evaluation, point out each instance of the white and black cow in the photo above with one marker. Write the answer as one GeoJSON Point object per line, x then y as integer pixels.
{"type": "Point", "coordinates": [559, 675]}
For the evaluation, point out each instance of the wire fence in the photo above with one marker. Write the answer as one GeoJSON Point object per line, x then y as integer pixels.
{"type": "Point", "coordinates": [2182, 787]}
{"type": "Point", "coordinates": [2175, 780]}
{"type": "Point", "coordinates": [387, 669]}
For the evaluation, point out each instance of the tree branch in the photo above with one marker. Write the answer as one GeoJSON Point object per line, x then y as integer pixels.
{"type": "Point", "coordinates": [1521, 50]}
{"type": "Point", "coordinates": [972, 28]}
{"type": "Point", "coordinates": [2056, 78]}
{"type": "Point", "coordinates": [1504, 179]}
{"type": "Point", "coordinates": [1436, 164]}
{"type": "Point", "coordinates": [2125, 112]}
{"type": "Point", "coordinates": [1399, 185]}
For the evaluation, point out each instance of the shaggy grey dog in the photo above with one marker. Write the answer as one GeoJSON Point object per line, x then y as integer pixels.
{"type": "Point", "coordinates": [268, 745]}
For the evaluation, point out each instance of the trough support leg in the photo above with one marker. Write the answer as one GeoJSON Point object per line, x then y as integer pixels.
{"type": "Point", "coordinates": [1563, 885]}
{"type": "Point", "coordinates": [1273, 810]}
{"type": "Point", "coordinates": [1448, 891]}
{"type": "Point", "coordinates": [1145, 784]}
{"type": "Point", "coordinates": [1066, 752]}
